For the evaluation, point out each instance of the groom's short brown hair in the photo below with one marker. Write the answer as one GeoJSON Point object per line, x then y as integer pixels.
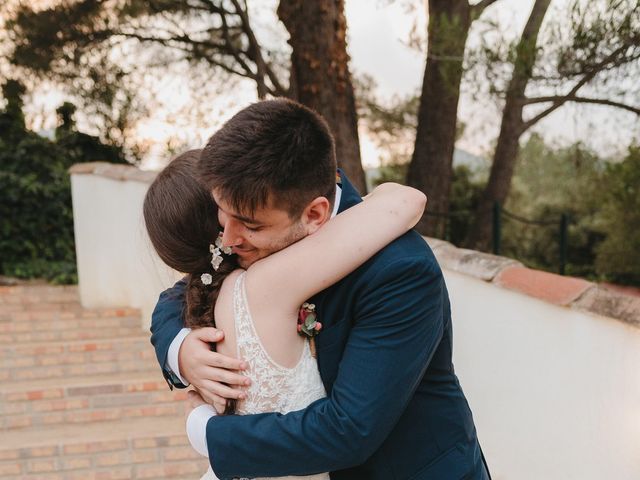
{"type": "Point", "coordinates": [275, 151]}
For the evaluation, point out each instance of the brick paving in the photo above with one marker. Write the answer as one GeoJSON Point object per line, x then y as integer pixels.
{"type": "Point", "coordinates": [81, 396]}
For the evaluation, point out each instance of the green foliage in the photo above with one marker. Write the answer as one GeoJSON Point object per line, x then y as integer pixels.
{"type": "Point", "coordinates": [36, 217]}
{"type": "Point", "coordinates": [466, 188]}
{"type": "Point", "coordinates": [12, 119]}
{"type": "Point", "coordinates": [547, 183]}
{"type": "Point", "coordinates": [618, 256]}
{"type": "Point", "coordinates": [80, 147]}
{"type": "Point", "coordinates": [601, 197]}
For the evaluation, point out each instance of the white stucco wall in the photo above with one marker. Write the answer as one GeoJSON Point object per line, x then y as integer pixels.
{"type": "Point", "coordinates": [117, 265]}
{"type": "Point", "coordinates": [555, 392]}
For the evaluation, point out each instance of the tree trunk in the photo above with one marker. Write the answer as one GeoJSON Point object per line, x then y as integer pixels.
{"type": "Point", "coordinates": [431, 165]}
{"type": "Point", "coordinates": [320, 75]}
{"type": "Point", "coordinates": [511, 129]}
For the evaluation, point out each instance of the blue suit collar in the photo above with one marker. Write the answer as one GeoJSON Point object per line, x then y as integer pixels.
{"type": "Point", "coordinates": [350, 195]}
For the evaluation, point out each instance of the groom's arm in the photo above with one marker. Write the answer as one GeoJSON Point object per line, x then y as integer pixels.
{"type": "Point", "coordinates": [166, 325]}
{"type": "Point", "coordinates": [186, 356]}
{"type": "Point", "coordinates": [399, 323]}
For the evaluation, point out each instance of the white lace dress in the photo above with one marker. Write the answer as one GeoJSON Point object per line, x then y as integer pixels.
{"type": "Point", "coordinates": [274, 388]}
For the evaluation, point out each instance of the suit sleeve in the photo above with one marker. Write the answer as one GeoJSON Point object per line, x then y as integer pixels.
{"type": "Point", "coordinates": [166, 322]}
{"type": "Point", "coordinates": [398, 325]}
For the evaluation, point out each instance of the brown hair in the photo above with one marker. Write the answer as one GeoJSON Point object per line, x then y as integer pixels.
{"type": "Point", "coordinates": [182, 221]}
{"type": "Point", "coordinates": [272, 151]}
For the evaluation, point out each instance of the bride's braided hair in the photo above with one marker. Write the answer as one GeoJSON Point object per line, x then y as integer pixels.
{"type": "Point", "coordinates": [182, 222]}
{"type": "Point", "coordinates": [200, 299]}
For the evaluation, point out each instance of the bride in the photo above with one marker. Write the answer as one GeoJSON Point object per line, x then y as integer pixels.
{"type": "Point", "coordinates": [260, 308]}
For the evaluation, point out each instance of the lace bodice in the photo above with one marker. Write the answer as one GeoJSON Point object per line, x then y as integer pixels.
{"type": "Point", "coordinates": [274, 388]}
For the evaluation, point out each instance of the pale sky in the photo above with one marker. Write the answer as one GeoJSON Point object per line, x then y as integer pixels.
{"type": "Point", "coordinates": [377, 35]}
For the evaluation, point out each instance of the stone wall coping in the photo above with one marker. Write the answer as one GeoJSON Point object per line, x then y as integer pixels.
{"type": "Point", "coordinates": [113, 171]}
{"type": "Point", "coordinates": [577, 293]}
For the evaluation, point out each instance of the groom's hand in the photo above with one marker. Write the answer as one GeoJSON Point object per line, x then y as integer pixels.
{"type": "Point", "coordinates": [215, 376]}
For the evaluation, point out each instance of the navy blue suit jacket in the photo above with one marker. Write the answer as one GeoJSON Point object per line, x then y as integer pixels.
{"type": "Point", "coordinates": [394, 410]}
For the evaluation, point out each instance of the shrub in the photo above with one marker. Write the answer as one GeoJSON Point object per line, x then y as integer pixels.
{"type": "Point", "coordinates": [36, 217]}
{"type": "Point", "coordinates": [618, 256]}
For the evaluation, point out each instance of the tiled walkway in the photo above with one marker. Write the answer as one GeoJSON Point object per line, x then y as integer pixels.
{"type": "Point", "coordinates": [81, 395]}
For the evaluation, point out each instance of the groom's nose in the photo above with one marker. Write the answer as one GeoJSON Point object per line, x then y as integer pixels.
{"type": "Point", "coordinates": [231, 233]}
{"type": "Point", "coordinates": [229, 229]}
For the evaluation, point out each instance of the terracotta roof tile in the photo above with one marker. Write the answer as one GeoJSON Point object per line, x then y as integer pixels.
{"type": "Point", "coordinates": [544, 285]}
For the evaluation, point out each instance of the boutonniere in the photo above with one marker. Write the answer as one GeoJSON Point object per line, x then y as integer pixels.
{"type": "Point", "coordinates": [308, 324]}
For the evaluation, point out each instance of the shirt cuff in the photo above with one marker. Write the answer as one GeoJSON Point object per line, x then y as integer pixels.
{"type": "Point", "coordinates": [172, 356]}
{"type": "Point", "coordinates": [197, 428]}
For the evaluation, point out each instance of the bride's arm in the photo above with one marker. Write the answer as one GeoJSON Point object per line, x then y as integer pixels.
{"type": "Point", "coordinates": [289, 277]}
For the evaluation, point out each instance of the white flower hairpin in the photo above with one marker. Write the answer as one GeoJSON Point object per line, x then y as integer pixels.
{"type": "Point", "coordinates": [217, 250]}
{"type": "Point", "coordinates": [216, 257]}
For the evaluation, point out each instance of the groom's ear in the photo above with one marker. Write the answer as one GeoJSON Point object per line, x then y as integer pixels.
{"type": "Point", "coordinates": [315, 214]}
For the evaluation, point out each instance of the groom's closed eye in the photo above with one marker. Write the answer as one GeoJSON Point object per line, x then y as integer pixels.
{"type": "Point", "coordinates": [249, 223]}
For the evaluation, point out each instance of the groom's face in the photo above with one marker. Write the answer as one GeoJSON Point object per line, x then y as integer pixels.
{"type": "Point", "coordinates": [255, 236]}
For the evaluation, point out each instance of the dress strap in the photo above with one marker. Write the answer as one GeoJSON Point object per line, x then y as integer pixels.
{"type": "Point", "coordinates": [241, 315]}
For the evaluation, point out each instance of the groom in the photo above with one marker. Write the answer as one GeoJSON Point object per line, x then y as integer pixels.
{"type": "Point", "coordinates": [394, 406]}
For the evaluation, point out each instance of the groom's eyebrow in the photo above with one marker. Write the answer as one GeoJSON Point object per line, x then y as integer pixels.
{"type": "Point", "coordinates": [240, 217]}
{"type": "Point", "coordinates": [244, 219]}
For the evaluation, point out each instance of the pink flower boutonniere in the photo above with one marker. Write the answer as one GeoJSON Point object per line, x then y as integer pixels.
{"type": "Point", "coordinates": [308, 324]}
